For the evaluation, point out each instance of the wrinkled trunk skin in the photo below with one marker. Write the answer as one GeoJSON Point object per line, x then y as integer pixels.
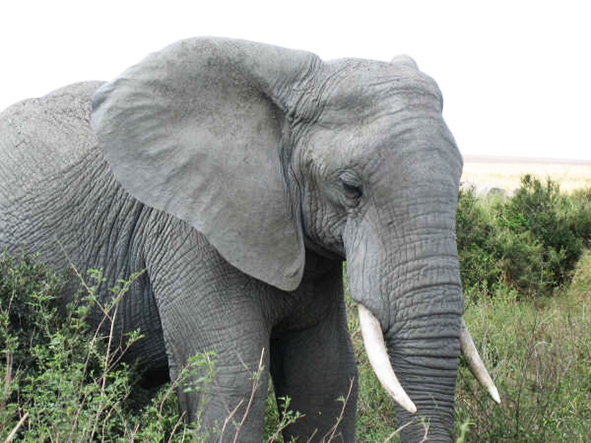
{"type": "Point", "coordinates": [423, 336]}
{"type": "Point", "coordinates": [411, 284]}
{"type": "Point", "coordinates": [423, 343]}
{"type": "Point", "coordinates": [424, 354]}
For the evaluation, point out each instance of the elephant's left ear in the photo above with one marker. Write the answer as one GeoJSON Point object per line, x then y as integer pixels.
{"type": "Point", "coordinates": [197, 130]}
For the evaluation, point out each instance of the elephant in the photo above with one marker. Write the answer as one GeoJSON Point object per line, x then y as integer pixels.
{"type": "Point", "coordinates": [241, 176]}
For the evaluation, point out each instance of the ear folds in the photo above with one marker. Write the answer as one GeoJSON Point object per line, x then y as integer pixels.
{"type": "Point", "coordinates": [196, 130]}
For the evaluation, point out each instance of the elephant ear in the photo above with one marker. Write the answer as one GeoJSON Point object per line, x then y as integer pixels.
{"type": "Point", "coordinates": [196, 130]}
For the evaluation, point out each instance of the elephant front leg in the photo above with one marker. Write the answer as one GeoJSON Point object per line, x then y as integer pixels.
{"type": "Point", "coordinates": [316, 369]}
{"type": "Point", "coordinates": [209, 307]}
{"type": "Point", "coordinates": [223, 389]}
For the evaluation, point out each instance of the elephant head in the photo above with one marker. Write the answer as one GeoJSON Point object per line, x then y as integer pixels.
{"type": "Point", "coordinates": [269, 152]}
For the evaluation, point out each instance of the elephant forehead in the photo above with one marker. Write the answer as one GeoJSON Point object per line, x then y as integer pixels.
{"type": "Point", "coordinates": [363, 90]}
{"type": "Point", "coordinates": [384, 135]}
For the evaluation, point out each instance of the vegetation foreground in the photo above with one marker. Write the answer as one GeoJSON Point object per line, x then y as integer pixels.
{"type": "Point", "coordinates": [526, 270]}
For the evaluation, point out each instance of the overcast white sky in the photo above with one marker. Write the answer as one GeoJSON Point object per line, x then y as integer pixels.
{"type": "Point", "coordinates": [515, 75]}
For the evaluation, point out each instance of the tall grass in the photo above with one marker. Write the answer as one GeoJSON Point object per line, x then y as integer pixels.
{"type": "Point", "coordinates": [539, 354]}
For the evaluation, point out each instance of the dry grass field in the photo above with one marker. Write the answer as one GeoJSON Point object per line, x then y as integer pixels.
{"type": "Point", "coordinates": [506, 172]}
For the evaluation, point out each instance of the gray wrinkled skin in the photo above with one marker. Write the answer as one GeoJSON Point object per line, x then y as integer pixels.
{"type": "Point", "coordinates": [240, 176]}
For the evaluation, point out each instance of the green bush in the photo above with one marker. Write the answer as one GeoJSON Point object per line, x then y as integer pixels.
{"type": "Point", "coordinates": [62, 379]}
{"type": "Point", "coordinates": [477, 246]}
{"type": "Point", "coordinates": [554, 221]}
{"type": "Point", "coordinates": [529, 242]}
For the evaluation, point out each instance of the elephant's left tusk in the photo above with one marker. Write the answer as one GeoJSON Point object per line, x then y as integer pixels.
{"type": "Point", "coordinates": [475, 363]}
{"type": "Point", "coordinates": [373, 339]}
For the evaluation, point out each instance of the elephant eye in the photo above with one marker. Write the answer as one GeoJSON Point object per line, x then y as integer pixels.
{"type": "Point", "coordinates": [352, 191]}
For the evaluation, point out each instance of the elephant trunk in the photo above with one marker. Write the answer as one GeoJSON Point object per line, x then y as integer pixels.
{"type": "Point", "coordinates": [436, 415]}
{"type": "Point", "coordinates": [424, 354]}
{"type": "Point", "coordinates": [377, 353]}
{"type": "Point", "coordinates": [423, 335]}
{"type": "Point", "coordinates": [414, 294]}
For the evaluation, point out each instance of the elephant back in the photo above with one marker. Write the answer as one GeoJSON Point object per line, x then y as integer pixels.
{"type": "Point", "coordinates": [42, 142]}
{"type": "Point", "coordinates": [42, 136]}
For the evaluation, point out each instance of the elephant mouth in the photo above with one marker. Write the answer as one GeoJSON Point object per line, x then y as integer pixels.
{"type": "Point", "coordinates": [377, 353]}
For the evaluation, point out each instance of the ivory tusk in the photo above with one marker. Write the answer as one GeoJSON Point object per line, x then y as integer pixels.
{"type": "Point", "coordinates": [373, 339]}
{"type": "Point", "coordinates": [475, 363]}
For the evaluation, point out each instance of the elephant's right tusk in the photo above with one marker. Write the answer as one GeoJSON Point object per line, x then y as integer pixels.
{"type": "Point", "coordinates": [475, 363]}
{"type": "Point", "coordinates": [373, 339]}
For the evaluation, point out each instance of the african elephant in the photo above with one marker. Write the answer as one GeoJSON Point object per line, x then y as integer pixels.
{"type": "Point", "coordinates": [240, 176]}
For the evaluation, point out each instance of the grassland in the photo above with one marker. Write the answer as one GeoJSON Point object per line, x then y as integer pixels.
{"type": "Point", "coordinates": [539, 354]}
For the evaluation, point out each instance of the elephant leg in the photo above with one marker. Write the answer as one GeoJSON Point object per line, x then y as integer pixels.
{"type": "Point", "coordinates": [315, 367]}
{"type": "Point", "coordinates": [228, 396]}
{"type": "Point", "coordinates": [205, 305]}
